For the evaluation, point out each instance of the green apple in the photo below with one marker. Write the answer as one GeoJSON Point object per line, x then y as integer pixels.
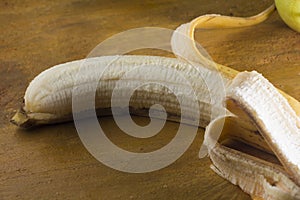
{"type": "Point", "coordinates": [289, 11]}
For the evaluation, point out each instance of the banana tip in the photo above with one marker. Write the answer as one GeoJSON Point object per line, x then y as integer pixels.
{"type": "Point", "coordinates": [21, 119]}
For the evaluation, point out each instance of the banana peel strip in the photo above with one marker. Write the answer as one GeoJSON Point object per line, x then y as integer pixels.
{"type": "Point", "coordinates": [279, 128]}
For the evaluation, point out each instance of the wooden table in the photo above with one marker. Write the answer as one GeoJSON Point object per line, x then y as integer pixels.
{"type": "Point", "coordinates": [51, 163]}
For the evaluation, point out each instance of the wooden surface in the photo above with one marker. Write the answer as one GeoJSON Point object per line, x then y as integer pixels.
{"type": "Point", "coordinates": [51, 163]}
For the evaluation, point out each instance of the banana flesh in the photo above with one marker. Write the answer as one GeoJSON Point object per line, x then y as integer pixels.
{"type": "Point", "coordinates": [48, 98]}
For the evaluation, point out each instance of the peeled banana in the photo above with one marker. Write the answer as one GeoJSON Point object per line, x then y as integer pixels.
{"type": "Point", "coordinates": [259, 147]}
{"type": "Point", "coordinates": [48, 98]}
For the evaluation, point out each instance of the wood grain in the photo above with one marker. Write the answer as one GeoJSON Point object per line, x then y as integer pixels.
{"type": "Point", "coordinates": [51, 163]}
